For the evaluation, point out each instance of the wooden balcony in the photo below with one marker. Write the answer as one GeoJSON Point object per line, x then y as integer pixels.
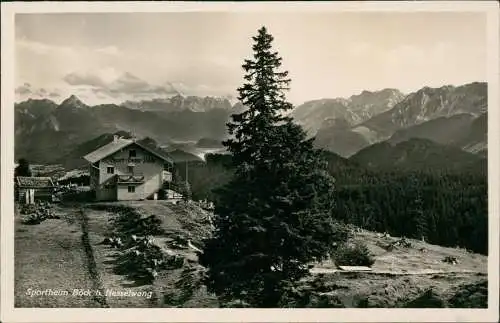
{"type": "Point", "coordinates": [130, 179]}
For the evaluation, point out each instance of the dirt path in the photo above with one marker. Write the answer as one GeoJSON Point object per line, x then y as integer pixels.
{"type": "Point", "coordinates": [120, 291]}
{"type": "Point", "coordinates": [50, 264]}
{"type": "Point", "coordinates": [99, 295]}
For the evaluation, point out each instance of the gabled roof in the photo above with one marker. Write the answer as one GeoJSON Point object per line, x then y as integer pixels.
{"type": "Point", "coordinates": [34, 182]}
{"type": "Point", "coordinates": [155, 151]}
{"type": "Point", "coordinates": [106, 150]}
{"type": "Point", "coordinates": [116, 145]}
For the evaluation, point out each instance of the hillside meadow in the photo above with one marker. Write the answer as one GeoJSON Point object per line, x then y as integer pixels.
{"type": "Point", "coordinates": [71, 254]}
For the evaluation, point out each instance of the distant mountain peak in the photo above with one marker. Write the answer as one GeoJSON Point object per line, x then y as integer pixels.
{"type": "Point", "coordinates": [355, 109]}
{"type": "Point", "coordinates": [73, 101]}
{"type": "Point", "coordinates": [430, 103]}
{"type": "Point", "coordinates": [384, 91]}
{"type": "Point", "coordinates": [171, 88]}
{"type": "Point", "coordinates": [180, 102]}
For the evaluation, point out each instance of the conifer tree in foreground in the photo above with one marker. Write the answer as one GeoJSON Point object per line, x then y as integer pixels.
{"type": "Point", "coordinates": [275, 216]}
{"type": "Point", "coordinates": [416, 208]}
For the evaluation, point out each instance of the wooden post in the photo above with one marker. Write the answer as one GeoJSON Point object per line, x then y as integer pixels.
{"type": "Point", "coordinates": [31, 196]}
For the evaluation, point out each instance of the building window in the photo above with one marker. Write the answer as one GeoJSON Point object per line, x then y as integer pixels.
{"type": "Point", "coordinates": [132, 153]}
{"type": "Point", "coordinates": [166, 167]}
{"type": "Point", "coordinates": [130, 169]}
{"type": "Point", "coordinates": [131, 189]}
{"type": "Point", "coordinates": [111, 170]}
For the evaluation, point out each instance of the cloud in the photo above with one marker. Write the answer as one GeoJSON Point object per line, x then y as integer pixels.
{"type": "Point", "coordinates": [43, 49]}
{"type": "Point", "coordinates": [27, 91]}
{"type": "Point", "coordinates": [45, 65]}
{"type": "Point", "coordinates": [131, 84]}
{"type": "Point", "coordinates": [105, 83]}
{"type": "Point", "coordinates": [109, 50]}
{"type": "Point", "coordinates": [379, 50]}
{"type": "Point", "coordinates": [117, 73]}
{"type": "Point", "coordinates": [83, 79]}
{"type": "Point", "coordinates": [24, 89]}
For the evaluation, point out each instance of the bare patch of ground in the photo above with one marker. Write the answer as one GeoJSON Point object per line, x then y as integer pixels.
{"type": "Point", "coordinates": [49, 257]}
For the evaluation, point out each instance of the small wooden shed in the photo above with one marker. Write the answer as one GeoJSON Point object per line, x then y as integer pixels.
{"type": "Point", "coordinates": [31, 189]}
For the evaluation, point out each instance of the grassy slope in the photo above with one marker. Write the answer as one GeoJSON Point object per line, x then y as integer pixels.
{"type": "Point", "coordinates": [177, 220]}
{"type": "Point", "coordinates": [403, 274]}
{"type": "Point", "coordinates": [389, 291]}
{"type": "Point", "coordinates": [399, 276]}
{"type": "Point", "coordinates": [412, 271]}
{"type": "Point", "coordinates": [50, 256]}
{"type": "Point", "coordinates": [412, 260]}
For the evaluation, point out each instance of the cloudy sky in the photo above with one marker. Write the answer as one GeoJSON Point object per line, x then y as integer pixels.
{"type": "Point", "coordinates": [113, 57]}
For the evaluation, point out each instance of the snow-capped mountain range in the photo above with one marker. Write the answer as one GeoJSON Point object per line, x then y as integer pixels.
{"type": "Point", "coordinates": [446, 115]}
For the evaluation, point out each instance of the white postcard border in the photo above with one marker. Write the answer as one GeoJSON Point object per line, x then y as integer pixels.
{"type": "Point", "coordinates": [11, 314]}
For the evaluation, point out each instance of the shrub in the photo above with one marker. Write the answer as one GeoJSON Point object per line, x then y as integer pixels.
{"type": "Point", "coordinates": [132, 222]}
{"type": "Point", "coordinates": [78, 196]}
{"type": "Point", "coordinates": [33, 218]}
{"type": "Point", "coordinates": [190, 281]}
{"type": "Point", "coordinates": [37, 213]}
{"type": "Point", "coordinates": [236, 304]}
{"type": "Point", "coordinates": [356, 254]}
{"type": "Point", "coordinates": [28, 209]}
{"type": "Point", "coordinates": [471, 296]}
{"type": "Point", "coordinates": [142, 263]}
{"type": "Point", "coordinates": [429, 299]}
{"type": "Point", "coordinates": [312, 295]}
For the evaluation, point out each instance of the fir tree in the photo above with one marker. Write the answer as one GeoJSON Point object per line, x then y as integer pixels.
{"type": "Point", "coordinates": [275, 215]}
{"type": "Point", "coordinates": [417, 210]}
{"type": "Point", "coordinates": [23, 169]}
